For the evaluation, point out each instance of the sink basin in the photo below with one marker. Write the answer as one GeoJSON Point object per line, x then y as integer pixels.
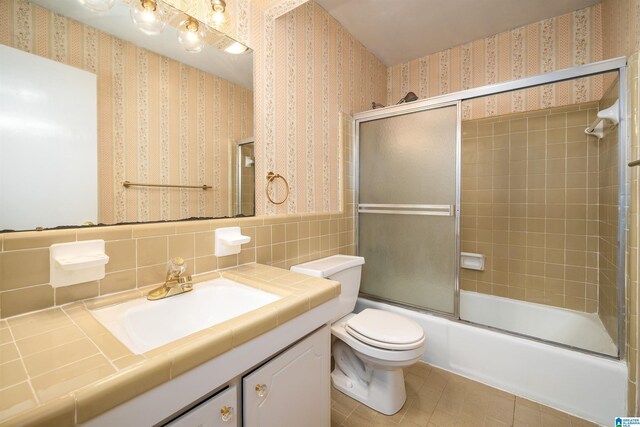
{"type": "Point", "coordinates": [143, 325]}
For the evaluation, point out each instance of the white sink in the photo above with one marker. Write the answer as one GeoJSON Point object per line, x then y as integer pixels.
{"type": "Point", "coordinates": [143, 325]}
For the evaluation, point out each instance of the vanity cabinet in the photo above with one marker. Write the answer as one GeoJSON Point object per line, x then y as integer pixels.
{"type": "Point", "coordinates": [221, 410]}
{"type": "Point", "coordinates": [293, 389]}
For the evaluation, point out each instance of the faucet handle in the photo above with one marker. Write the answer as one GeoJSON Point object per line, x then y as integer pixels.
{"type": "Point", "coordinates": [176, 266]}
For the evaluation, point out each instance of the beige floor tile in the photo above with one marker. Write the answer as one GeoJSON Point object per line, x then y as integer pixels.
{"type": "Point", "coordinates": [416, 416]}
{"type": "Point", "coordinates": [451, 399]}
{"type": "Point", "coordinates": [358, 420]}
{"type": "Point", "coordinates": [427, 399]}
{"type": "Point", "coordinates": [436, 380]}
{"type": "Point", "coordinates": [376, 417]}
{"type": "Point", "coordinates": [526, 416]}
{"type": "Point", "coordinates": [420, 369]}
{"type": "Point", "coordinates": [408, 423]}
{"type": "Point", "coordinates": [500, 408]}
{"type": "Point", "coordinates": [413, 383]}
{"type": "Point", "coordinates": [578, 422]}
{"type": "Point", "coordinates": [437, 398]}
{"type": "Point", "coordinates": [491, 422]}
{"type": "Point", "coordinates": [342, 403]}
{"type": "Point", "coordinates": [337, 418]}
{"type": "Point", "coordinates": [442, 419]}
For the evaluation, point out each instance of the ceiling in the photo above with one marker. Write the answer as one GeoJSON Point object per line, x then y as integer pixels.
{"type": "Point", "coordinates": [401, 30]}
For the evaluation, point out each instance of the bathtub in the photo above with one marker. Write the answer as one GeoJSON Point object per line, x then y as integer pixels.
{"type": "Point", "coordinates": [588, 386]}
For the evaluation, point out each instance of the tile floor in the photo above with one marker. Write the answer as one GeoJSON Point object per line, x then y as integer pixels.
{"type": "Point", "coordinates": [437, 398]}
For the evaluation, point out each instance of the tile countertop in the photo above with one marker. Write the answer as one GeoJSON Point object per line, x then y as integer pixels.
{"type": "Point", "coordinates": [60, 366]}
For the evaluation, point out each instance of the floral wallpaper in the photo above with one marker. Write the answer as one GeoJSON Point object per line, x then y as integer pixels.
{"type": "Point", "coordinates": [560, 42]}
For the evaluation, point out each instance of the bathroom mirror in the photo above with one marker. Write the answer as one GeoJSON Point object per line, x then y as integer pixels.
{"type": "Point", "coordinates": [164, 116]}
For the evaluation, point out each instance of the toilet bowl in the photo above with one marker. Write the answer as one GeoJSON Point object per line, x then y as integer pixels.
{"type": "Point", "coordinates": [369, 348]}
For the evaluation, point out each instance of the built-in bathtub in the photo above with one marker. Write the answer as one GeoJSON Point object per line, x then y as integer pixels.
{"type": "Point", "coordinates": [588, 386]}
{"type": "Point", "coordinates": [573, 328]}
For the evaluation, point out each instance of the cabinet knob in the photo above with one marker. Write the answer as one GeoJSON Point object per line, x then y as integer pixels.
{"type": "Point", "coordinates": [261, 389]}
{"type": "Point", "coordinates": [226, 413]}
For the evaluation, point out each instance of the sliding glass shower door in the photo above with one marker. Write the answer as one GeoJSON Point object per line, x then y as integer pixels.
{"type": "Point", "coordinates": [407, 210]}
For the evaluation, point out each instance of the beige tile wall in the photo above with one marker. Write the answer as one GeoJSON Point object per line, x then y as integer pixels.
{"type": "Point", "coordinates": [633, 237]}
{"type": "Point", "coordinates": [608, 221]}
{"type": "Point", "coordinates": [529, 204]}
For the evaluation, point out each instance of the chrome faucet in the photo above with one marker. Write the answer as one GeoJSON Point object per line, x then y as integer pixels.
{"type": "Point", "coordinates": [175, 282]}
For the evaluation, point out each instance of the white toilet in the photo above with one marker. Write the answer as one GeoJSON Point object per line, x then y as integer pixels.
{"type": "Point", "coordinates": [371, 347]}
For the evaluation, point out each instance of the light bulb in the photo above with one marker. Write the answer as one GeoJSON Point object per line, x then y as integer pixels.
{"type": "Point", "coordinates": [216, 17]}
{"type": "Point", "coordinates": [236, 48]}
{"type": "Point", "coordinates": [148, 17]}
{"type": "Point", "coordinates": [98, 5]}
{"type": "Point", "coordinates": [190, 36]}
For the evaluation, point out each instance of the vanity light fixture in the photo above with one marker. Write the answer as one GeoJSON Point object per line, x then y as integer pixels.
{"type": "Point", "coordinates": [236, 48]}
{"type": "Point", "coordinates": [98, 5]}
{"type": "Point", "coordinates": [148, 16]}
{"type": "Point", "coordinates": [216, 17]}
{"type": "Point", "coordinates": [191, 36]}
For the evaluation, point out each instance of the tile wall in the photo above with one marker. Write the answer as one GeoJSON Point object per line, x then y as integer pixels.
{"type": "Point", "coordinates": [529, 204]}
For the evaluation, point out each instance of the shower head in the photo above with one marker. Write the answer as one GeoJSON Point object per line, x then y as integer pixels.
{"type": "Point", "coordinates": [409, 97]}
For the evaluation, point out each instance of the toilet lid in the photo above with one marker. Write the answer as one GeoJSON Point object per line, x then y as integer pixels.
{"type": "Point", "coordinates": [384, 329]}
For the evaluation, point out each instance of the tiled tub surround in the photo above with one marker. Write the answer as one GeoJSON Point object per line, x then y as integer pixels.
{"type": "Point", "coordinates": [138, 253]}
{"type": "Point", "coordinates": [60, 366]}
{"type": "Point", "coordinates": [530, 205]}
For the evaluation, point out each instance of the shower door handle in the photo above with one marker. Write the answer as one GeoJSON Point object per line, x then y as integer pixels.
{"type": "Point", "coordinates": [407, 209]}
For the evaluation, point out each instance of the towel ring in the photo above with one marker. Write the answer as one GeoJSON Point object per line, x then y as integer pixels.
{"type": "Point", "coordinates": [270, 178]}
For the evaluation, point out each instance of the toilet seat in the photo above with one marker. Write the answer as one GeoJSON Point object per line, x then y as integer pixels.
{"type": "Point", "coordinates": [386, 357]}
{"type": "Point", "coordinates": [385, 330]}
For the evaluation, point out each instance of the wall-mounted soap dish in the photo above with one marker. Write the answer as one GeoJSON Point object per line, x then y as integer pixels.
{"type": "Point", "coordinates": [77, 262]}
{"type": "Point", "coordinates": [229, 240]}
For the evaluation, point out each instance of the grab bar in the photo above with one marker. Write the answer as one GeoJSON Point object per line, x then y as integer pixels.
{"type": "Point", "coordinates": [407, 209]}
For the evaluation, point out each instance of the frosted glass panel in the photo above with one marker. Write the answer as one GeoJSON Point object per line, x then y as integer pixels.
{"type": "Point", "coordinates": [409, 160]}
{"type": "Point", "coordinates": [409, 259]}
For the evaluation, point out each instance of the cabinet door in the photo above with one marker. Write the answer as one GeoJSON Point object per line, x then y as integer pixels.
{"type": "Point", "coordinates": [293, 389]}
{"type": "Point", "coordinates": [218, 411]}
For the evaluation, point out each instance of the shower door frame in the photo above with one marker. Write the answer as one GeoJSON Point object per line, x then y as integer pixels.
{"type": "Point", "coordinates": [456, 98]}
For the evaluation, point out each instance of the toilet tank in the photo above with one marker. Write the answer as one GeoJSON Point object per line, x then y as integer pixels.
{"type": "Point", "coordinates": [341, 268]}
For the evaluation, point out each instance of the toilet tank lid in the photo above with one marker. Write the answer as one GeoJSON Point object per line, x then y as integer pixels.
{"type": "Point", "coordinates": [325, 267]}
